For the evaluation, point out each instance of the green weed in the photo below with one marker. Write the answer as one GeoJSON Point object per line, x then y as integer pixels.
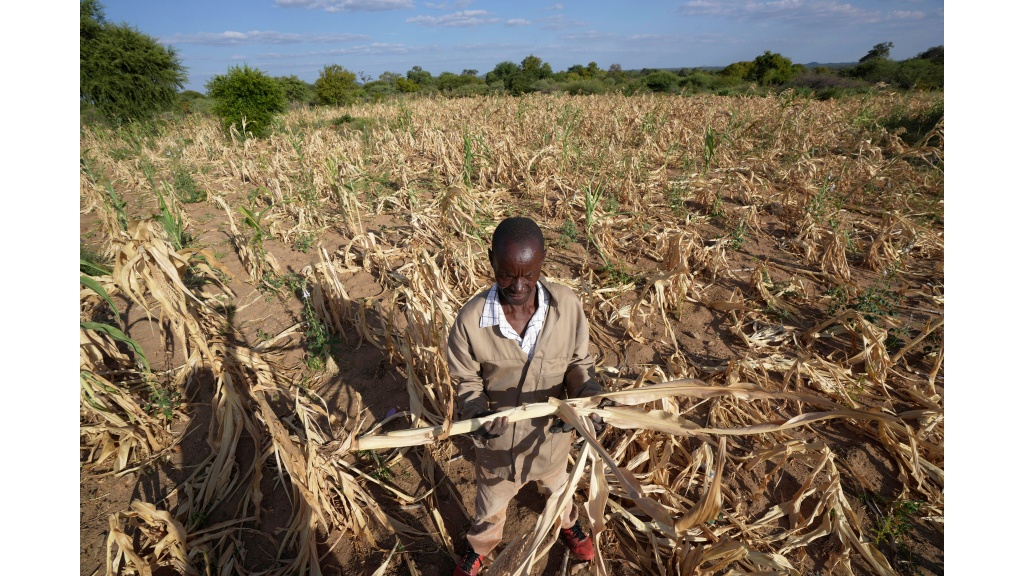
{"type": "Point", "coordinates": [717, 208]}
{"type": "Point", "coordinates": [876, 301]}
{"type": "Point", "coordinates": [381, 470]}
{"type": "Point", "coordinates": [824, 206]}
{"type": "Point", "coordinates": [114, 200]}
{"type": "Point", "coordinates": [186, 188]}
{"type": "Point", "coordinates": [162, 401]}
{"type": "Point", "coordinates": [676, 197]}
{"type": "Point", "coordinates": [352, 123]}
{"type": "Point", "coordinates": [567, 233]}
{"type": "Point", "coordinates": [320, 343]}
{"type": "Point", "coordinates": [738, 236]}
{"type": "Point", "coordinates": [894, 523]}
{"type": "Point", "coordinates": [616, 274]}
{"type": "Point", "coordinates": [304, 241]}
{"type": "Point", "coordinates": [92, 262]}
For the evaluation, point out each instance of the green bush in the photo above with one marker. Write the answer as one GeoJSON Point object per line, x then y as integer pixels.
{"type": "Point", "coordinates": [474, 89]}
{"type": "Point", "coordinates": [633, 87]}
{"type": "Point", "coordinates": [191, 102]}
{"type": "Point", "coordinates": [920, 74]}
{"type": "Point", "coordinates": [701, 81]}
{"type": "Point", "coordinates": [545, 86]}
{"type": "Point", "coordinates": [336, 86]}
{"type": "Point", "coordinates": [661, 81]}
{"type": "Point", "coordinates": [827, 85]}
{"type": "Point", "coordinates": [586, 87]}
{"type": "Point", "coordinates": [246, 94]}
{"type": "Point", "coordinates": [296, 90]}
{"type": "Point", "coordinates": [407, 86]}
{"type": "Point", "coordinates": [740, 70]}
{"type": "Point", "coordinates": [124, 75]}
{"type": "Point", "coordinates": [772, 68]}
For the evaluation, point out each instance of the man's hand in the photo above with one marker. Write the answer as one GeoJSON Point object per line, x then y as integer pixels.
{"type": "Point", "coordinates": [493, 429]}
{"type": "Point", "coordinates": [599, 425]}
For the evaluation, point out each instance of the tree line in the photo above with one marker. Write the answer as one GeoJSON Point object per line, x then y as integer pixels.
{"type": "Point", "coordinates": [127, 75]}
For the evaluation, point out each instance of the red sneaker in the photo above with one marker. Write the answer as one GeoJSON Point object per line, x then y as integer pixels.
{"type": "Point", "coordinates": [580, 543]}
{"type": "Point", "coordinates": [469, 565]}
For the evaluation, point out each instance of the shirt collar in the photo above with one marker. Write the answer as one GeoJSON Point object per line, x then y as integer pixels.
{"type": "Point", "coordinates": [493, 315]}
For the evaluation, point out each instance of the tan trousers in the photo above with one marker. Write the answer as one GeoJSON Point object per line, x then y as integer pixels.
{"type": "Point", "coordinates": [492, 497]}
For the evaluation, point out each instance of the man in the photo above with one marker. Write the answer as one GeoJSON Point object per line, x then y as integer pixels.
{"type": "Point", "coordinates": [525, 340]}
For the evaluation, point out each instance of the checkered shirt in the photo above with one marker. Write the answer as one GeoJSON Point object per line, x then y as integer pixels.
{"type": "Point", "coordinates": [493, 315]}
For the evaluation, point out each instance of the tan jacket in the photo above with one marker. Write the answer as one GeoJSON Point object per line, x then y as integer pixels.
{"type": "Point", "coordinates": [491, 372]}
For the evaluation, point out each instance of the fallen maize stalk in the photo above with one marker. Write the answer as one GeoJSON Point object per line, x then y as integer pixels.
{"type": "Point", "coordinates": [626, 418]}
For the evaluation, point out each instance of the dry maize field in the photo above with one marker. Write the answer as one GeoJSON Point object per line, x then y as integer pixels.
{"type": "Point", "coordinates": [263, 327]}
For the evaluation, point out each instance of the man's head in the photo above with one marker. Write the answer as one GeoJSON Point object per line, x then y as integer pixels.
{"type": "Point", "coordinates": [517, 255]}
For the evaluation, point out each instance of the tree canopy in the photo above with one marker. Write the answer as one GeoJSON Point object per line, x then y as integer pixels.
{"type": "Point", "coordinates": [125, 74]}
{"type": "Point", "coordinates": [336, 86]}
{"type": "Point", "coordinates": [878, 51]}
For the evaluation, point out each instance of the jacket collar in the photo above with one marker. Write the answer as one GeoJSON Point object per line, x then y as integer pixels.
{"type": "Point", "coordinates": [549, 322]}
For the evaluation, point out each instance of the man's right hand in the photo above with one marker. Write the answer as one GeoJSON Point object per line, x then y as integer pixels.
{"type": "Point", "coordinates": [493, 429]}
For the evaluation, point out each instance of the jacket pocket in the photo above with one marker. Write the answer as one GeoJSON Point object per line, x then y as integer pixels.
{"type": "Point", "coordinates": [554, 366]}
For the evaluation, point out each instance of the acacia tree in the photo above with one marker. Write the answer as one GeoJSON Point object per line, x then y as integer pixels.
{"type": "Point", "coordinates": [124, 73]}
{"type": "Point", "coordinates": [879, 51]}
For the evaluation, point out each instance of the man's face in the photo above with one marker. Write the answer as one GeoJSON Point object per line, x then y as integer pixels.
{"type": "Point", "coordinates": [516, 271]}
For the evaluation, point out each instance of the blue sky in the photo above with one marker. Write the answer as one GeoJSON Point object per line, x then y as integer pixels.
{"type": "Point", "coordinates": [284, 37]}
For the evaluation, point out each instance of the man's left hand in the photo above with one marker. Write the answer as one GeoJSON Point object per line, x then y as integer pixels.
{"type": "Point", "coordinates": [599, 424]}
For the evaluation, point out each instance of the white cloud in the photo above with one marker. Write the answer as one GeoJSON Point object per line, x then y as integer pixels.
{"type": "Point", "coordinates": [560, 22]}
{"type": "Point", "coordinates": [517, 22]}
{"type": "Point", "coordinates": [591, 35]}
{"type": "Point", "coordinates": [447, 5]}
{"type": "Point", "coordinates": [372, 49]}
{"type": "Point", "coordinates": [232, 38]}
{"type": "Point", "coordinates": [652, 37]}
{"type": "Point", "coordinates": [456, 19]}
{"type": "Point", "coordinates": [555, 7]}
{"type": "Point", "coordinates": [907, 15]}
{"type": "Point", "coordinates": [347, 5]}
{"type": "Point", "coordinates": [804, 11]}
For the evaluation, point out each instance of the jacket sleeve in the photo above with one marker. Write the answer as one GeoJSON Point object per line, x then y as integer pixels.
{"type": "Point", "coordinates": [580, 376]}
{"type": "Point", "coordinates": [465, 372]}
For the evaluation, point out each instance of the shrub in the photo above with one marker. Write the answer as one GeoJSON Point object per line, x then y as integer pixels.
{"type": "Point", "coordinates": [661, 81]}
{"type": "Point", "coordinates": [919, 73]}
{"type": "Point", "coordinates": [699, 80]}
{"type": "Point", "coordinates": [740, 70]}
{"type": "Point", "coordinates": [249, 94]}
{"type": "Point", "coordinates": [474, 89]}
{"type": "Point", "coordinates": [545, 86]}
{"type": "Point", "coordinates": [336, 86]}
{"type": "Point", "coordinates": [772, 68]}
{"type": "Point", "coordinates": [124, 74]}
{"type": "Point", "coordinates": [191, 101]}
{"type": "Point", "coordinates": [296, 90]}
{"type": "Point", "coordinates": [586, 87]}
{"type": "Point", "coordinates": [634, 86]}
{"type": "Point", "coordinates": [407, 86]}
{"type": "Point", "coordinates": [826, 86]}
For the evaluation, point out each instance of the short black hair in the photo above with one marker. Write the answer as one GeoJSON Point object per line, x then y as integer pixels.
{"type": "Point", "coordinates": [516, 230]}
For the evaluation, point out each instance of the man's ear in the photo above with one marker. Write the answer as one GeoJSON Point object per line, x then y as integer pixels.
{"type": "Point", "coordinates": [490, 255]}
